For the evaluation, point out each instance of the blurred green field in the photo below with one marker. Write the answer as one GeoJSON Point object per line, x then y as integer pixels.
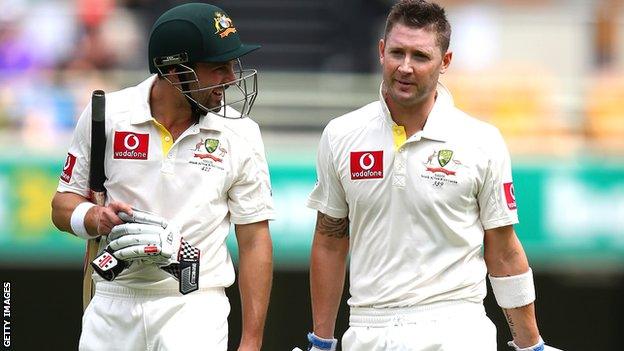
{"type": "Point", "coordinates": [571, 213]}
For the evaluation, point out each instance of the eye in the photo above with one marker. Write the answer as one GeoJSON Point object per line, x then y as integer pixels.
{"type": "Point", "coordinates": [419, 56]}
{"type": "Point", "coordinates": [396, 53]}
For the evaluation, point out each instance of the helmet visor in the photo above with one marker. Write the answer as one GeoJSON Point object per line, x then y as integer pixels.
{"type": "Point", "coordinates": [237, 95]}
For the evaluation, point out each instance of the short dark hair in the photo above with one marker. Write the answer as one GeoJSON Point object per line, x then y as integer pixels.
{"type": "Point", "coordinates": [421, 14]}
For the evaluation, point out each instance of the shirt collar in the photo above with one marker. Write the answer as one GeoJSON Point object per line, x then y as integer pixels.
{"type": "Point", "coordinates": [437, 126]}
{"type": "Point", "coordinates": [144, 112]}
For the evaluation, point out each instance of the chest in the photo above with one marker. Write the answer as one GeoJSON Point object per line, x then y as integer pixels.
{"type": "Point", "coordinates": [421, 175]}
{"type": "Point", "coordinates": [141, 160]}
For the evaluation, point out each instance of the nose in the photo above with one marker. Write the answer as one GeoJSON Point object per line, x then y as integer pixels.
{"type": "Point", "coordinates": [230, 75]}
{"type": "Point", "coordinates": [405, 66]}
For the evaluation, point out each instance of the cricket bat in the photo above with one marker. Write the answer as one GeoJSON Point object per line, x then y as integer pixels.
{"type": "Point", "coordinates": [97, 192]}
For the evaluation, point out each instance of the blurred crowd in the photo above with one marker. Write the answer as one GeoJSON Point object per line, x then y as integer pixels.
{"type": "Point", "coordinates": [54, 52]}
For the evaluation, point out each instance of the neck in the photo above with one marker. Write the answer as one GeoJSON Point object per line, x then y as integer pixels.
{"type": "Point", "coordinates": [170, 108]}
{"type": "Point", "coordinates": [412, 117]}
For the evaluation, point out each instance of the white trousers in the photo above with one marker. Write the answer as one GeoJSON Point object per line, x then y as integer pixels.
{"type": "Point", "coordinates": [128, 319]}
{"type": "Point", "coordinates": [447, 326]}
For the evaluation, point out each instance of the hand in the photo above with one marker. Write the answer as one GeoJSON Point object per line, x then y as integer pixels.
{"type": "Point", "coordinates": [147, 242]}
{"type": "Point", "coordinates": [540, 346]}
{"type": "Point", "coordinates": [101, 219]}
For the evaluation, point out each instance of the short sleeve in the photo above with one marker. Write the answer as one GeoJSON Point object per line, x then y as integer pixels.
{"type": "Point", "coordinates": [75, 173]}
{"type": "Point", "coordinates": [496, 198]}
{"type": "Point", "coordinates": [250, 199]}
{"type": "Point", "coordinates": [328, 195]}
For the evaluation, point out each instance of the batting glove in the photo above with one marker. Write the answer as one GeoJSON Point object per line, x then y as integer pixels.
{"type": "Point", "coordinates": [540, 346]}
{"type": "Point", "coordinates": [145, 242]}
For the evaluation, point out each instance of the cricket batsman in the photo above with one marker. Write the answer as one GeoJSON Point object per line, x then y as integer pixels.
{"type": "Point", "coordinates": [421, 196]}
{"type": "Point", "coordinates": [181, 164]}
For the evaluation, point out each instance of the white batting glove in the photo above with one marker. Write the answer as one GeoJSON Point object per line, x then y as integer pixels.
{"type": "Point", "coordinates": [540, 346]}
{"type": "Point", "coordinates": [146, 242]}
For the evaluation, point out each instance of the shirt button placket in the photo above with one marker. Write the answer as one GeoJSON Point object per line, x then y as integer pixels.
{"type": "Point", "coordinates": [169, 161]}
{"type": "Point", "coordinates": [398, 178]}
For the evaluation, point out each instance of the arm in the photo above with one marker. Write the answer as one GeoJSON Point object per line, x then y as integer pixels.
{"type": "Point", "coordinates": [255, 276]}
{"type": "Point", "coordinates": [98, 221]}
{"type": "Point", "coordinates": [504, 256]}
{"type": "Point", "coordinates": [327, 271]}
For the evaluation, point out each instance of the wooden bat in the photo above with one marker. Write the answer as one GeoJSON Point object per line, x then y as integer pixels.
{"type": "Point", "coordinates": [97, 192]}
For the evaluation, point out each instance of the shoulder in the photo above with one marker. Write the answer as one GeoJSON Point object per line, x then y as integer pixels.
{"type": "Point", "coordinates": [479, 129]}
{"type": "Point", "coordinates": [481, 135]}
{"type": "Point", "coordinates": [122, 100]}
{"type": "Point", "coordinates": [245, 128]}
{"type": "Point", "coordinates": [133, 99]}
{"type": "Point", "coordinates": [353, 122]}
{"type": "Point", "coordinates": [242, 135]}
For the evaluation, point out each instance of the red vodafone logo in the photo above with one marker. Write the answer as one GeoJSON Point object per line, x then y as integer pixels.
{"type": "Point", "coordinates": [129, 145]}
{"type": "Point", "coordinates": [68, 168]}
{"type": "Point", "coordinates": [510, 195]}
{"type": "Point", "coordinates": [366, 164]}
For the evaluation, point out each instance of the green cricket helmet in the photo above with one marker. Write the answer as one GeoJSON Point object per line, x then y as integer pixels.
{"type": "Point", "coordinates": [197, 32]}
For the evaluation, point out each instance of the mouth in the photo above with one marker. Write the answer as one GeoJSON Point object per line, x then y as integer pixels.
{"type": "Point", "coordinates": [218, 93]}
{"type": "Point", "coordinates": [403, 83]}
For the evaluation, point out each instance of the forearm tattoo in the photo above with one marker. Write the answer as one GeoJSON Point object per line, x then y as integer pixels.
{"type": "Point", "coordinates": [512, 324]}
{"type": "Point", "coordinates": [332, 227]}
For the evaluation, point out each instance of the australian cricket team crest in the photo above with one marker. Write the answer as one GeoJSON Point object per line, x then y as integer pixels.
{"type": "Point", "coordinates": [223, 24]}
{"type": "Point", "coordinates": [208, 153]}
{"type": "Point", "coordinates": [441, 167]}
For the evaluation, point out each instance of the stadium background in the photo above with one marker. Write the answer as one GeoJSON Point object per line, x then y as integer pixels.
{"type": "Point", "coordinates": [548, 73]}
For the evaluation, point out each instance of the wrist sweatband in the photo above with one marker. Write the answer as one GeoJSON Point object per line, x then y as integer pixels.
{"type": "Point", "coordinates": [515, 291]}
{"type": "Point", "coordinates": [77, 220]}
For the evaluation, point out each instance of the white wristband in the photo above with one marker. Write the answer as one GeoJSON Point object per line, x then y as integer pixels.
{"type": "Point", "coordinates": [515, 291]}
{"type": "Point", "coordinates": [77, 220]}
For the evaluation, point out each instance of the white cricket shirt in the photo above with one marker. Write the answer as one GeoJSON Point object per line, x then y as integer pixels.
{"type": "Point", "coordinates": [214, 174]}
{"type": "Point", "coordinates": [417, 207]}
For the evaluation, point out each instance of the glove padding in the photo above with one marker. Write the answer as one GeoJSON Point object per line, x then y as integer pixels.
{"type": "Point", "coordinates": [146, 242]}
{"type": "Point", "coordinates": [149, 238]}
{"type": "Point", "coordinates": [540, 346]}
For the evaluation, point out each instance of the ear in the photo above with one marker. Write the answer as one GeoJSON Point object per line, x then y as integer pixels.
{"type": "Point", "coordinates": [382, 46]}
{"type": "Point", "coordinates": [446, 61]}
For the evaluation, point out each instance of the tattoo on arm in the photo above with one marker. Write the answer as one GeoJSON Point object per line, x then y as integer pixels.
{"type": "Point", "coordinates": [512, 325]}
{"type": "Point", "coordinates": [332, 227]}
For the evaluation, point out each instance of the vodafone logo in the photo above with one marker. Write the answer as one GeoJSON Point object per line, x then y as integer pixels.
{"type": "Point", "coordinates": [366, 165]}
{"type": "Point", "coordinates": [510, 195]}
{"type": "Point", "coordinates": [131, 142]}
{"type": "Point", "coordinates": [367, 161]}
{"type": "Point", "coordinates": [68, 168]}
{"type": "Point", "coordinates": [130, 146]}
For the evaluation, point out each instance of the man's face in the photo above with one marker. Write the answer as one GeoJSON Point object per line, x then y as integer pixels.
{"type": "Point", "coordinates": [412, 62]}
{"type": "Point", "coordinates": [211, 74]}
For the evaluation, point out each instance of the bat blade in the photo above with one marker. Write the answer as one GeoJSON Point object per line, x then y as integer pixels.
{"type": "Point", "coordinates": [97, 191]}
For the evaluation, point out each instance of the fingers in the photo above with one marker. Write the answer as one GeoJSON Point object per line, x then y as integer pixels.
{"type": "Point", "coordinates": [132, 240]}
{"type": "Point", "coordinates": [137, 252]}
{"type": "Point", "coordinates": [107, 219]}
{"type": "Point", "coordinates": [131, 229]}
{"type": "Point", "coordinates": [107, 216]}
{"type": "Point", "coordinates": [118, 206]}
